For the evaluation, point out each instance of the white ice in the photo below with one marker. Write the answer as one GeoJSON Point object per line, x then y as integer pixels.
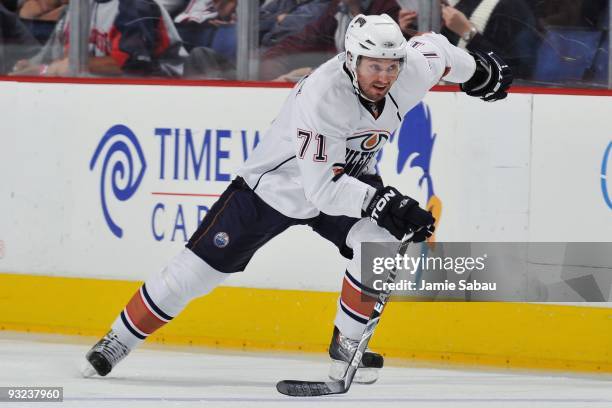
{"type": "Point", "coordinates": [161, 376]}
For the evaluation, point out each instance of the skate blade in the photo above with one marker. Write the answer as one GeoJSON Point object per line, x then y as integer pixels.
{"type": "Point", "coordinates": [362, 376]}
{"type": "Point", "coordinates": [87, 370]}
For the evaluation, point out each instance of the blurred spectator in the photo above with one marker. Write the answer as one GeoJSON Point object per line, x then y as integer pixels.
{"type": "Point", "coordinates": [47, 10]}
{"type": "Point", "coordinates": [210, 24]}
{"type": "Point", "coordinates": [205, 63]}
{"type": "Point", "coordinates": [507, 27]}
{"type": "Point", "coordinates": [319, 40]}
{"type": "Point", "coordinates": [569, 13]}
{"type": "Point", "coordinates": [16, 42]}
{"type": "Point", "coordinates": [10, 5]}
{"type": "Point", "coordinates": [41, 16]}
{"type": "Point", "coordinates": [173, 7]}
{"type": "Point", "coordinates": [407, 20]}
{"type": "Point", "coordinates": [280, 18]}
{"type": "Point", "coordinates": [575, 46]}
{"type": "Point", "coordinates": [208, 29]}
{"type": "Point", "coordinates": [134, 37]}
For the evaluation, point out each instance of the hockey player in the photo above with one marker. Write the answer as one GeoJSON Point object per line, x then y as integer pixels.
{"type": "Point", "coordinates": [316, 166]}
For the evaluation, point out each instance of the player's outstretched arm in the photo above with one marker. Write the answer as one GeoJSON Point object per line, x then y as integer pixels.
{"type": "Point", "coordinates": [481, 74]}
{"type": "Point", "coordinates": [399, 214]}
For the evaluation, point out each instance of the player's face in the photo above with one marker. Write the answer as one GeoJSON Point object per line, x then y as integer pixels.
{"type": "Point", "coordinates": [376, 76]}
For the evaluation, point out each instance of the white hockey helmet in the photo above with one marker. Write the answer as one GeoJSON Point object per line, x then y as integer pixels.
{"type": "Point", "coordinates": [375, 37]}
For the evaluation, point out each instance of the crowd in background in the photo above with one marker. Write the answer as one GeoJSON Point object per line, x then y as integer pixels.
{"type": "Point", "coordinates": [544, 41]}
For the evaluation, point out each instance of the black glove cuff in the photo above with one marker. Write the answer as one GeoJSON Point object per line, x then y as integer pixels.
{"type": "Point", "coordinates": [491, 79]}
{"type": "Point", "coordinates": [481, 78]}
{"type": "Point", "coordinates": [377, 196]}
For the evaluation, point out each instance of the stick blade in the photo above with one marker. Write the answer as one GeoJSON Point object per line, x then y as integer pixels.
{"type": "Point", "coordinates": [295, 388]}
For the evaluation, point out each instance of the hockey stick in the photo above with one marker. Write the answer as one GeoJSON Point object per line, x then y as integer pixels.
{"type": "Point", "coordinates": [297, 388]}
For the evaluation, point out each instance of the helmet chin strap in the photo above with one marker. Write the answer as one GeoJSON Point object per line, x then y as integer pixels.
{"type": "Point", "coordinates": [362, 94]}
{"type": "Point", "coordinates": [352, 69]}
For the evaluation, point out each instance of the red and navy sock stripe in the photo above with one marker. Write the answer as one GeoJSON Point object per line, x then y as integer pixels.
{"type": "Point", "coordinates": [357, 300]}
{"type": "Point", "coordinates": [142, 316]}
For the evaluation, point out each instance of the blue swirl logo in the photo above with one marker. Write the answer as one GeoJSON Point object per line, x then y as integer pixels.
{"type": "Point", "coordinates": [123, 176]}
{"type": "Point", "coordinates": [604, 176]}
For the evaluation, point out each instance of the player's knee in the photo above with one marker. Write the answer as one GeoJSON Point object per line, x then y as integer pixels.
{"type": "Point", "coordinates": [189, 277]}
{"type": "Point", "coordinates": [366, 231]}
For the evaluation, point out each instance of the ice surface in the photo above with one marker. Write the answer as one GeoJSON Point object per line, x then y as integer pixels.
{"type": "Point", "coordinates": [161, 376]}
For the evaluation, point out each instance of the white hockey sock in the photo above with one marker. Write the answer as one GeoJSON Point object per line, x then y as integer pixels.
{"type": "Point", "coordinates": [354, 307]}
{"type": "Point", "coordinates": [356, 300]}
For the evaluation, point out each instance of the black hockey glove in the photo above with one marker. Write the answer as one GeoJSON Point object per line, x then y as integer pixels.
{"type": "Point", "coordinates": [492, 78]}
{"type": "Point", "coordinates": [400, 215]}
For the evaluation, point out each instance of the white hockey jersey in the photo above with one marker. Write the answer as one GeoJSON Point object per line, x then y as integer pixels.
{"type": "Point", "coordinates": [324, 137]}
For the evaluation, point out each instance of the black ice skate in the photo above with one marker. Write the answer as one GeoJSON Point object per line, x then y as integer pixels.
{"type": "Point", "coordinates": [341, 351]}
{"type": "Point", "coordinates": [105, 355]}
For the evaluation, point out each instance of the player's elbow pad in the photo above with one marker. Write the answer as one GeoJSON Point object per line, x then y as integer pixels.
{"type": "Point", "coordinates": [460, 63]}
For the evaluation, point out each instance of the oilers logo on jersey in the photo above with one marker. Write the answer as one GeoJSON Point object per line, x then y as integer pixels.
{"type": "Point", "coordinates": [361, 149]}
